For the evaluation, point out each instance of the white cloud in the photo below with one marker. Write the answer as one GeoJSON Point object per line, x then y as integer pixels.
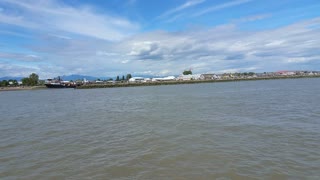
{"type": "Point", "coordinates": [219, 49]}
{"type": "Point", "coordinates": [234, 70]}
{"type": "Point", "coordinates": [227, 48]}
{"type": "Point", "coordinates": [105, 53]}
{"type": "Point", "coordinates": [303, 59]}
{"type": "Point", "coordinates": [8, 69]}
{"type": "Point", "coordinates": [20, 57]}
{"type": "Point", "coordinates": [60, 36]}
{"type": "Point", "coordinates": [51, 16]}
{"type": "Point", "coordinates": [187, 4]}
{"type": "Point", "coordinates": [11, 33]}
{"type": "Point", "coordinates": [131, 2]}
{"type": "Point", "coordinates": [125, 61]}
{"type": "Point", "coordinates": [221, 6]}
{"type": "Point", "coordinates": [252, 18]}
{"type": "Point", "coordinates": [16, 20]}
{"type": "Point", "coordinates": [275, 43]}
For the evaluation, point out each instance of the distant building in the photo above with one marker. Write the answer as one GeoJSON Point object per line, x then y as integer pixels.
{"type": "Point", "coordinates": [99, 82]}
{"type": "Point", "coordinates": [226, 76]}
{"type": "Point", "coordinates": [189, 77]}
{"type": "Point", "coordinates": [286, 73]}
{"type": "Point", "coordinates": [147, 80]}
{"type": "Point", "coordinates": [136, 79]}
{"type": "Point", "coordinates": [262, 74]}
{"type": "Point", "coordinates": [209, 76]}
{"type": "Point", "coordinates": [85, 81]}
{"type": "Point", "coordinates": [168, 78]}
{"type": "Point", "coordinates": [311, 73]}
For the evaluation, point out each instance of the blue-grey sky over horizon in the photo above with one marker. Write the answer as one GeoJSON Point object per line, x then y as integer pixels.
{"type": "Point", "coordinates": [153, 37]}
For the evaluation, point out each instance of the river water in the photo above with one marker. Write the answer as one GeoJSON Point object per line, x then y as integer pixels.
{"type": "Point", "coordinates": [233, 130]}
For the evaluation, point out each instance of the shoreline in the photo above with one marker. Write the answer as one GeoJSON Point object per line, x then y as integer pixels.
{"type": "Point", "coordinates": [177, 82]}
{"type": "Point", "coordinates": [158, 83]}
{"type": "Point", "coordinates": [22, 88]}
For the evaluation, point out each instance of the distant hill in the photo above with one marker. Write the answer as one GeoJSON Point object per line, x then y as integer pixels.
{"type": "Point", "coordinates": [10, 77]}
{"type": "Point", "coordinates": [64, 77]}
{"type": "Point", "coordinates": [81, 77]}
{"type": "Point", "coordinates": [92, 78]}
{"type": "Point", "coordinates": [77, 77]}
{"type": "Point", "coordinates": [148, 76]}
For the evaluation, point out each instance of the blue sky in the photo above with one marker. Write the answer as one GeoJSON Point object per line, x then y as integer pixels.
{"type": "Point", "coordinates": [116, 37]}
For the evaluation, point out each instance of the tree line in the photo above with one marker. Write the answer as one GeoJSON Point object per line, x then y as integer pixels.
{"type": "Point", "coordinates": [124, 78]}
{"type": "Point", "coordinates": [32, 80]}
{"type": "Point", "coordinates": [245, 74]}
{"type": "Point", "coordinates": [12, 82]}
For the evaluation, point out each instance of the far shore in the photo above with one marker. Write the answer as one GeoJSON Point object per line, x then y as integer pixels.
{"type": "Point", "coordinates": [176, 82]}
{"type": "Point", "coordinates": [20, 88]}
{"type": "Point", "coordinates": [157, 83]}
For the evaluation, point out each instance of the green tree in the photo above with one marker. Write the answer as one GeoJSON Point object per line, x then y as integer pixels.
{"type": "Point", "coordinates": [129, 76]}
{"type": "Point", "coordinates": [42, 82]}
{"type": "Point", "coordinates": [251, 73]}
{"type": "Point", "coordinates": [187, 72]}
{"type": "Point", "coordinates": [33, 79]}
{"type": "Point", "coordinates": [4, 83]}
{"type": "Point", "coordinates": [13, 82]}
{"type": "Point", "coordinates": [25, 81]}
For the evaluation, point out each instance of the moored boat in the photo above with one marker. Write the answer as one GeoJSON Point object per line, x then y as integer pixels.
{"type": "Point", "coordinates": [59, 83]}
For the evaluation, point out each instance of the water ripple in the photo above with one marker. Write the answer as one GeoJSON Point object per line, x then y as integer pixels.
{"type": "Point", "coordinates": [235, 130]}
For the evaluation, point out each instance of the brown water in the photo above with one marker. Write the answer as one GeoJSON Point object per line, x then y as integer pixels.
{"type": "Point", "coordinates": [234, 130]}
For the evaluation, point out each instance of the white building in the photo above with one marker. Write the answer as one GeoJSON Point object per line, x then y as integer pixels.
{"type": "Point", "coordinates": [209, 76]}
{"type": "Point", "coordinates": [189, 77]}
{"type": "Point", "coordinates": [168, 78]}
{"type": "Point", "coordinates": [286, 73]}
{"type": "Point", "coordinates": [85, 81]}
{"type": "Point", "coordinates": [137, 79]}
{"type": "Point", "coordinates": [146, 80]}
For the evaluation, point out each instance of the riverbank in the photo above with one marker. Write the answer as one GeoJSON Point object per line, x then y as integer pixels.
{"type": "Point", "coordinates": [158, 83]}
{"type": "Point", "coordinates": [21, 88]}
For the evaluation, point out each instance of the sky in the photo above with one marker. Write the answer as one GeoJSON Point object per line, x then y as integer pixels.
{"type": "Point", "coordinates": [106, 38]}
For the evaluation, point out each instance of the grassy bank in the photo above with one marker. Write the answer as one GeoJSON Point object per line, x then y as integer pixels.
{"type": "Point", "coordinates": [159, 83]}
{"type": "Point", "coordinates": [20, 88]}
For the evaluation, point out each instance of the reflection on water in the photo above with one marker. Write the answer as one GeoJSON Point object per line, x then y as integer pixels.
{"type": "Point", "coordinates": [235, 130]}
